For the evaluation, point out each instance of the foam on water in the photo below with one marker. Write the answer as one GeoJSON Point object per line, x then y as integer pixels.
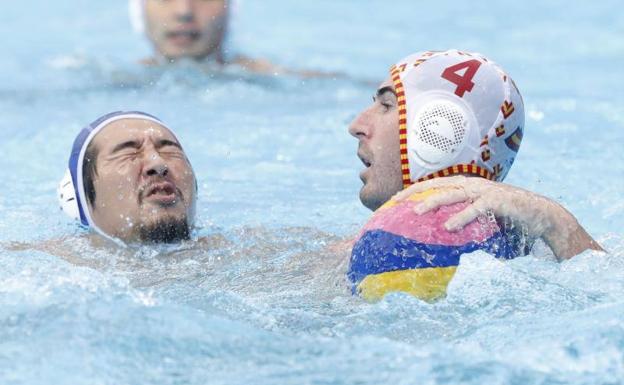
{"type": "Point", "coordinates": [265, 301]}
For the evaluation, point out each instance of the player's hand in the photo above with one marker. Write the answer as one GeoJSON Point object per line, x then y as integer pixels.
{"type": "Point", "coordinates": [538, 216]}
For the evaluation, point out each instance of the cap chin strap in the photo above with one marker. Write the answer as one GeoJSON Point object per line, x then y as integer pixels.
{"type": "Point", "coordinates": [69, 205]}
{"type": "Point", "coordinates": [459, 169]}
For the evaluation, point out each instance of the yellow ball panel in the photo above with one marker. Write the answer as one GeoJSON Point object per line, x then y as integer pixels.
{"type": "Point", "coordinates": [427, 284]}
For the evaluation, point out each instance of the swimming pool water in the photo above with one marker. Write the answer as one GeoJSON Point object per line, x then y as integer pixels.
{"type": "Point", "coordinates": [278, 182]}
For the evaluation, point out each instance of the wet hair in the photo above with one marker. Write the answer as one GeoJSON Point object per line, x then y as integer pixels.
{"type": "Point", "coordinates": [89, 171]}
{"type": "Point", "coordinates": [167, 230]}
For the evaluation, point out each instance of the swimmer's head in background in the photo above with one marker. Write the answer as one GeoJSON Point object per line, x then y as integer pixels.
{"type": "Point", "coordinates": [145, 188]}
{"type": "Point", "coordinates": [459, 113]}
{"type": "Point", "coordinates": [182, 28]}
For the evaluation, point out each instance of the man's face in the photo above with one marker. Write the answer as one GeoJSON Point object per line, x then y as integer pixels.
{"type": "Point", "coordinates": [144, 185]}
{"type": "Point", "coordinates": [186, 28]}
{"type": "Point", "coordinates": [377, 129]}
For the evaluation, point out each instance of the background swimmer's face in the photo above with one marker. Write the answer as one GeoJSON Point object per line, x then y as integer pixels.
{"type": "Point", "coordinates": [144, 184]}
{"type": "Point", "coordinates": [186, 28]}
{"type": "Point", "coordinates": [377, 129]}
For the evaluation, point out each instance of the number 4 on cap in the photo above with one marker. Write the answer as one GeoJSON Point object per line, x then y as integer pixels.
{"type": "Point", "coordinates": [463, 82]}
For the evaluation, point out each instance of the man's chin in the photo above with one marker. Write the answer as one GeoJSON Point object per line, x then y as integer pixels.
{"type": "Point", "coordinates": [370, 201]}
{"type": "Point", "coordinates": [165, 230]}
{"type": "Point", "coordinates": [191, 53]}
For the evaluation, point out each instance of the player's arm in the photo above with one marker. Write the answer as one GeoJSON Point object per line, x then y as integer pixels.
{"type": "Point", "coordinates": [539, 216]}
{"type": "Point", "coordinates": [265, 67]}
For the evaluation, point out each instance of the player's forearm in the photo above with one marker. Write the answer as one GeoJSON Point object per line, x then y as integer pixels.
{"type": "Point", "coordinates": [565, 236]}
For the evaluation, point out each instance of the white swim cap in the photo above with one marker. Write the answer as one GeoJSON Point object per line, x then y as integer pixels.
{"type": "Point", "coordinates": [459, 113]}
{"type": "Point", "coordinates": [71, 191]}
{"type": "Point", "coordinates": [136, 11]}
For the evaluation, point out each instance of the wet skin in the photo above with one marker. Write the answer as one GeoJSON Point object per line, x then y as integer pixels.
{"type": "Point", "coordinates": [377, 131]}
{"type": "Point", "coordinates": [143, 178]}
{"type": "Point", "coordinates": [186, 28]}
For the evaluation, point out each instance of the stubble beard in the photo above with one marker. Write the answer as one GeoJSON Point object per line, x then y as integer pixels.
{"type": "Point", "coordinates": [380, 187]}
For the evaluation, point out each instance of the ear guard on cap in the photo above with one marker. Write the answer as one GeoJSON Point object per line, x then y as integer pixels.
{"type": "Point", "coordinates": [459, 113]}
{"type": "Point", "coordinates": [440, 131]}
{"type": "Point", "coordinates": [67, 196]}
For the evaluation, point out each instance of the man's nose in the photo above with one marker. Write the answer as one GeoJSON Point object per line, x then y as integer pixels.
{"type": "Point", "coordinates": [185, 10]}
{"type": "Point", "coordinates": [155, 165]}
{"type": "Point", "coordinates": [360, 127]}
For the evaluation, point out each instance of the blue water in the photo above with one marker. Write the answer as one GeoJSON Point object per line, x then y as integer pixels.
{"type": "Point", "coordinates": [278, 183]}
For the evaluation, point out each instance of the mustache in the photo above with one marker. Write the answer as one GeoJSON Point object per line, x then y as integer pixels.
{"type": "Point", "coordinates": [364, 154]}
{"type": "Point", "coordinates": [156, 185]}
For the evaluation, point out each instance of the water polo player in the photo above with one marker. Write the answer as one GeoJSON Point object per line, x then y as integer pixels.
{"type": "Point", "coordinates": [182, 28]}
{"type": "Point", "coordinates": [456, 119]}
{"type": "Point", "coordinates": [130, 180]}
{"type": "Point", "coordinates": [197, 30]}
